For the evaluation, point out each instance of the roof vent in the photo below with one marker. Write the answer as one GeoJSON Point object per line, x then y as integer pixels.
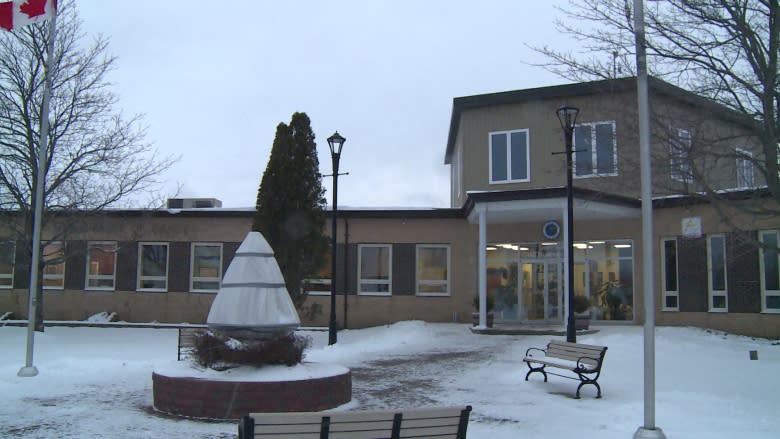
{"type": "Point", "coordinates": [193, 203]}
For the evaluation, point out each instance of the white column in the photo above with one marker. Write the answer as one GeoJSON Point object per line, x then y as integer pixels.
{"type": "Point", "coordinates": [482, 267]}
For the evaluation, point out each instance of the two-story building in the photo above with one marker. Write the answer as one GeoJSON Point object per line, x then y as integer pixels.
{"type": "Point", "coordinates": [716, 262]}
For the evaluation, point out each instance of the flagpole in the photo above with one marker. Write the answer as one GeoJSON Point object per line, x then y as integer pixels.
{"type": "Point", "coordinates": [29, 370]}
{"type": "Point", "coordinates": [648, 430]}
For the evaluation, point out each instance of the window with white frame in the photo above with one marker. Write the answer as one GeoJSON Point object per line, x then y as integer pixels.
{"type": "Point", "coordinates": [101, 265]}
{"type": "Point", "coordinates": [595, 144]}
{"type": "Point", "coordinates": [509, 157]}
{"type": "Point", "coordinates": [54, 268]}
{"type": "Point", "coordinates": [680, 154]}
{"type": "Point", "coordinates": [433, 270]}
{"type": "Point", "coordinates": [770, 271]}
{"type": "Point", "coordinates": [205, 267]}
{"type": "Point", "coordinates": [744, 169]}
{"type": "Point", "coordinates": [669, 272]}
{"type": "Point", "coordinates": [716, 273]}
{"type": "Point", "coordinates": [153, 266]}
{"type": "Point", "coordinates": [320, 285]}
{"type": "Point", "coordinates": [7, 257]}
{"type": "Point", "coordinates": [375, 263]}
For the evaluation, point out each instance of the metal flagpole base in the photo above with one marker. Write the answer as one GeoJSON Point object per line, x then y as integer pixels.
{"type": "Point", "coordinates": [27, 371]}
{"type": "Point", "coordinates": [646, 433]}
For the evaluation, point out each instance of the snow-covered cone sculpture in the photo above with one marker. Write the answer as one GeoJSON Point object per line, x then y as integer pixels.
{"type": "Point", "coordinates": [253, 302]}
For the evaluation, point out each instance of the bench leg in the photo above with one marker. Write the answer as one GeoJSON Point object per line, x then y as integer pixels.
{"type": "Point", "coordinates": [586, 380]}
{"type": "Point", "coordinates": [535, 369]}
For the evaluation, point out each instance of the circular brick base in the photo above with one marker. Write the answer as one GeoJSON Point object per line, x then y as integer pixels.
{"type": "Point", "coordinates": [221, 399]}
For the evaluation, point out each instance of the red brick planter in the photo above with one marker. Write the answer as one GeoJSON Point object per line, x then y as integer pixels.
{"type": "Point", "coordinates": [224, 399]}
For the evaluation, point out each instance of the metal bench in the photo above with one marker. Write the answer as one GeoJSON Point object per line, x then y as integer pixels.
{"type": "Point", "coordinates": [445, 422]}
{"type": "Point", "coordinates": [582, 359]}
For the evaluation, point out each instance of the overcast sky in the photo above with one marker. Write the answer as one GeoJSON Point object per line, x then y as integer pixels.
{"type": "Point", "coordinates": [213, 80]}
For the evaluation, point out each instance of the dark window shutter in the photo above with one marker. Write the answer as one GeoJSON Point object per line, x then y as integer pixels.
{"type": "Point", "coordinates": [75, 265]}
{"type": "Point", "coordinates": [404, 269]}
{"type": "Point", "coordinates": [693, 274]}
{"type": "Point", "coordinates": [22, 264]}
{"type": "Point", "coordinates": [744, 281]}
{"type": "Point", "coordinates": [126, 265]}
{"type": "Point", "coordinates": [179, 266]}
{"type": "Point", "coordinates": [228, 252]}
{"type": "Point", "coordinates": [340, 265]}
{"type": "Point", "coordinates": [352, 267]}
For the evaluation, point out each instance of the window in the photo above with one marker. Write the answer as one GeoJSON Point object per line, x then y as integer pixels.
{"type": "Point", "coordinates": [206, 267]}
{"type": "Point", "coordinates": [101, 265]}
{"type": "Point", "coordinates": [716, 273]}
{"type": "Point", "coordinates": [669, 273]}
{"type": "Point", "coordinates": [320, 284]}
{"type": "Point", "coordinates": [374, 268]}
{"type": "Point", "coordinates": [679, 153]}
{"type": "Point", "coordinates": [744, 169]}
{"type": "Point", "coordinates": [596, 149]}
{"type": "Point", "coordinates": [7, 256]}
{"type": "Point", "coordinates": [509, 161]}
{"type": "Point", "coordinates": [770, 271]}
{"type": "Point", "coordinates": [433, 268]}
{"type": "Point", "coordinates": [54, 268]}
{"type": "Point", "coordinates": [153, 266]}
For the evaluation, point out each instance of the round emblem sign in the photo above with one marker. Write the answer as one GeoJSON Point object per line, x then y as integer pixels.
{"type": "Point", "coordinates": [551, 230]}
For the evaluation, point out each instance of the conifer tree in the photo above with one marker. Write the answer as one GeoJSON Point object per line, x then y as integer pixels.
{"type": "Point", "coordinates": [290, 204]}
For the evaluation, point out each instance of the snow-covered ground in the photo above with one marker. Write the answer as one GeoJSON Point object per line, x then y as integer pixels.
{"type": "Point", "coordinates": [96, 382]}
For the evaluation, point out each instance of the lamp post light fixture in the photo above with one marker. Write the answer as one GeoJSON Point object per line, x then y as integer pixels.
{"type": "Point", "coordinates": [335, 142]}
{"type": "Point", "coordinates": [567, 116]}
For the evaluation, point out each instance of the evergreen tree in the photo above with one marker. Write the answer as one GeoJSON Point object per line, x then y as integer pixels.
{"type": "Point", "coordinates": [290, 204]}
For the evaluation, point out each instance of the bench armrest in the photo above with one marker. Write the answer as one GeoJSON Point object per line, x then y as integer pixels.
{"type": "Point", "coordinates": [585, 367]}
{"type": "Point", "coordinates": [528, 352]}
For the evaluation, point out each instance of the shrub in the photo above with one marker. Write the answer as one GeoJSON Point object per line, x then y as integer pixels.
{"type": "Point", "coordinates": [219, 352]}
{"type": "Point", "coordinates": [580, 303]}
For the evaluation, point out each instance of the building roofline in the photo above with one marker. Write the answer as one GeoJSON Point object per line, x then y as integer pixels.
{"type": "Point", "coordinates": [372, 213]}
{"type": "Point", "coordinates": [551, 192]}
{"type": "Point", "coordinates": [656, 85]}
{"type": "Point", "coordinates": [685, 200]}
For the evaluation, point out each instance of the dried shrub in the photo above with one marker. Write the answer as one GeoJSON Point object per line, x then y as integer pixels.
{"type": "Point", "coordinates": [217, 351]}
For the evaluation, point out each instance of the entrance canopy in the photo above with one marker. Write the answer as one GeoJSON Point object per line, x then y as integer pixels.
{"type": "Point", "coordinates": [535, 205]}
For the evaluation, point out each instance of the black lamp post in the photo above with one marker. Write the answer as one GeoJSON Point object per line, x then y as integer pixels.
{"type": "Point", "coordinates": [335, 142]}
{"type": "Point", "coordinates": [568, 118]}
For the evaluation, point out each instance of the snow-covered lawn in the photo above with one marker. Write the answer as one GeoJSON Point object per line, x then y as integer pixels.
{"type": "Point", "coordinates": [96, 382]}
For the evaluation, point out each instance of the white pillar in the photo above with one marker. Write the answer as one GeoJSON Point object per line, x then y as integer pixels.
{"type": "Point", "coordinates": [482, 267]}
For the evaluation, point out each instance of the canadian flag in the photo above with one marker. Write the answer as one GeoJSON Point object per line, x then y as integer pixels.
{"type": "Point", "coordinates": [19, 13]}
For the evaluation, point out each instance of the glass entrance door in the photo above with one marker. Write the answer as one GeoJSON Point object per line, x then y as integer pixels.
{"type": "Point", "coordinates": [541, 291]}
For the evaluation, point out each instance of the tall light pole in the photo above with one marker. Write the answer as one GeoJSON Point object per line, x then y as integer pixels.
{"type": "Point", "coordinates": [335, 142]}
{"type": "Point", "coordinates": [567, 116]}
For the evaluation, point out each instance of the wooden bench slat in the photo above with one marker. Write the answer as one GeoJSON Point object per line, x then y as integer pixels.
{"type": "Point", "coordinates": [435, 412]}
{"type": "Point", "coordinates": [289, 435]}
{"type": "Point", "coordinates": [430, 422]}
{"type": "Point", "coordinates": [448, 430]}
{"type": "Point", "coordinates": [316, 417]}
{"type": "Point", "coordinates": [359, 434]}
{"type": "Point", "coordinates": [360, 426]}
{"type": "Point", "coordinates": [287, 428]}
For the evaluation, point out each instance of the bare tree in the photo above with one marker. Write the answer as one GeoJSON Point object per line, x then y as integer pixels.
{"type": "Point", "coordinates": [96, 157]}
{"type": "Point", "coordinates": [724, 50]}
